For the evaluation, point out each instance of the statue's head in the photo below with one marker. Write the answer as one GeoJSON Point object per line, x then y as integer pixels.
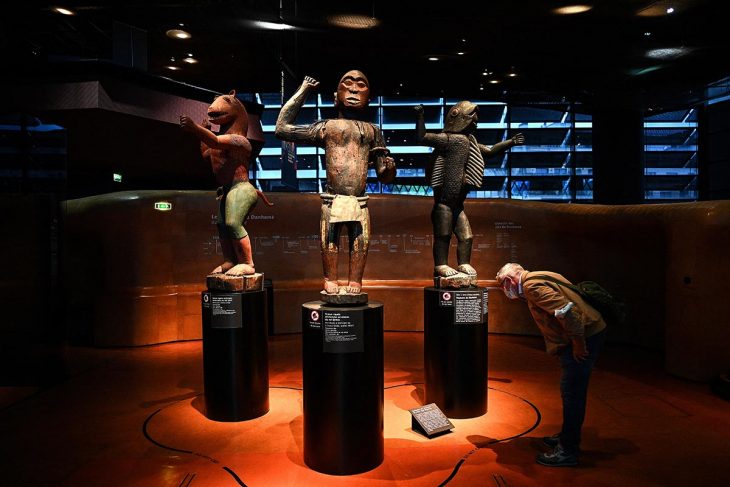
{"type": "Point", "coordinates": [227, 109]}
{"type": "Point", "coordinates": [462, 118]}
{"type": "Point", "coordinates": [353, 91]}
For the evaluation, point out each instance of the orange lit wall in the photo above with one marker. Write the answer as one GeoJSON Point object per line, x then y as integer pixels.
{"type": "Point", "coordinates": [133, 274]}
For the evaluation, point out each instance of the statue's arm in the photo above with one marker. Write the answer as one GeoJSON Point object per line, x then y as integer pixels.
{"type": "Point", "coordinates": [209, 140]}
{"type": "Point", "coordinates": [500, 147]}
{"type": "Point", "coordinates": [285, 128]}
{"type": "Point", "coordinates": [384, 164]}
{"type": "Point", "coordinates": [424, 138]}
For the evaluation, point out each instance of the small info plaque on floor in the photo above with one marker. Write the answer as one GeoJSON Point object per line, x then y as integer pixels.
{"type": "Point", "coordinates": [430, 421]}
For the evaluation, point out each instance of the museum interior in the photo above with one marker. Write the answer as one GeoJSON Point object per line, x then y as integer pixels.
{"type": "Point", "coordinates": [600, 133]}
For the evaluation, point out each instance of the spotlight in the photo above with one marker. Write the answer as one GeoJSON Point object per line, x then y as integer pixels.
{"type": "Point", "coordinates": [63, 11]}
{"type": "Point", "coordinates": [173, 68]}
{"type": "Point", "coordinates": [271, 25]}
{"type": "Point", "coordinates": [178, 34]}
{"type": "Point", "coordinates": [433, 58]}
{"type": "Point", "coordinates": [572, 9]}
{"type": "Point", "coordinates": [670, 10]}
{"type": "Point", "coordinates": [190, 60]}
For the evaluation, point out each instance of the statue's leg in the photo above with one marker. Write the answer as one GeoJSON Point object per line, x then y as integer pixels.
{"type": "Point", "coordinates": [239, 203]}
{"type": "Point", "coordinates": [329, 236]}
{"type": "Point", "coordinates": [359, 235]}
{"type": "Point", "coordinates": [229, 255]}
{"type": "Point", "coordinates": [463, 247]}
{"type": "Point", "coordinates": [442, 219]}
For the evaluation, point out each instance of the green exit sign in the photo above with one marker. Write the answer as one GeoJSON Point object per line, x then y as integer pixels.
{"type": "Point", "coordinates": [163, 206]}
{"type": "Point", "coordinates": [117, 178]}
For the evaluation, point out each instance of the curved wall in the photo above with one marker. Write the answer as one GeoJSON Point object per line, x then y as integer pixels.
{"type": "Point", "coordinates": [134, 274]}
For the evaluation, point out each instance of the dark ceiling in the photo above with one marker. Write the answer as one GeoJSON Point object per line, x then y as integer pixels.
{"type": "Point", "coordinates": [603, 50]}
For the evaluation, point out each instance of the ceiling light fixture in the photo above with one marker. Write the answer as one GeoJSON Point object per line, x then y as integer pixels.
{"type": "Point", "coordinates": [261, 24]}
{"type": "Point", "coordinates": [572, 9]}
{"type": "Point", "coordinates": [667, 52]}
{"type": "Point", "coordinates": [647, 34]}
{"type": "Point", "coordinates": [494, 81]}
{"type": "Point", "coordinates": [433, 58]}
{"type": "Point", "coordinates": [190, 60]}
{"type": "Point", "coordinates": [173, 68]}
{"type": "Point", "coordinates": [670, 10]}
{"type": "Point", "coordinates": [353, 21]}
{"type": "Point", "coordinates": [63, 11]}
{"type": "Point", "coordinates": [178, 34]}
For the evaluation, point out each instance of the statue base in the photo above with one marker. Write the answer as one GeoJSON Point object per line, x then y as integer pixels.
{"type": "Point", "coordinates": [224, 282]}
{"type": "Point", "coordinates": [235, 355]}
{"type": "Point", "coordinates": [342, 372]}
{"type": "Point", "coordinates": [344, 299]}
{"type": "Point", "coordinates": [456, 281]}
{"type": "Point", "coordinates": [455, 350]}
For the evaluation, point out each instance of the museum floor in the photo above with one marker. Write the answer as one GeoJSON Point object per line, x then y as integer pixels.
{"type": "Point", "coordinates": [132, 417]}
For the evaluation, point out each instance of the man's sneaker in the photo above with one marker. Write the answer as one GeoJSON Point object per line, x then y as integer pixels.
{"type": "Point", "coordinates": [551, 441]}
{"type": "Point", "coordinates": [557, 458]}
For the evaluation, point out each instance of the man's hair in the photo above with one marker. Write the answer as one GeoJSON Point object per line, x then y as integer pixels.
{"type": "Point", "coordinates": [508, 270]}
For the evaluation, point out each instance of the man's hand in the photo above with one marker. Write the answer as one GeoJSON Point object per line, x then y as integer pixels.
{"type": "Point", "coordinates": [580, 351]}
{"type": "Point", "coordinates": [518, 139]}
{"type": "Point", "coordinates": [418, 109]}
{"type": "Point", "coordinates": [186, 123]}
{"type": "Point", "coordinates": [309, 84]}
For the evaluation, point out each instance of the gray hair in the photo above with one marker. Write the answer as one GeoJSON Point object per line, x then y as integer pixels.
{"type": "Point", "coordinates": [510, 269]}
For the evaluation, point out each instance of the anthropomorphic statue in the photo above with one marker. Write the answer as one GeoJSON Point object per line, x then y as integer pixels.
{"type": "Point", "coordinates": [229, 154]}
{"type": "Point", "coordinates": [458, 166]}
{"type": "Point", "coordinates": [350, 145]}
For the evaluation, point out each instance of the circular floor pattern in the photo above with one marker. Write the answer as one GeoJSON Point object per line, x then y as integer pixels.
{"type": "Point", "coordinates": [268, 450]}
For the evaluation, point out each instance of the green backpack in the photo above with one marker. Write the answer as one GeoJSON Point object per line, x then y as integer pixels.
{"type": "Point", "coordinates": [612, 309]}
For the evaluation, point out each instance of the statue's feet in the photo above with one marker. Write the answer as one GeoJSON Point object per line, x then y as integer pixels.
{"type": "Point", "coordinates": [241, 270]}
{"type": "Point", "coordinates": [331, 287]}
{"type": "Point", "coordinates": [444, 271]}
{"type": "Point", "coordinates": [223, 268]}
{"type": "Point", "coordinates": [354, 287]}
{"type": "Point", "coordinates": [467, 269]}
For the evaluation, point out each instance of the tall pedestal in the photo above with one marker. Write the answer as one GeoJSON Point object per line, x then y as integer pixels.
{"type": "Point", "coordinates": [343, 387]}
{"type": "Point", "coordinates": [235, 355]}
{"type": "Point", "coordinates": [455, 350]}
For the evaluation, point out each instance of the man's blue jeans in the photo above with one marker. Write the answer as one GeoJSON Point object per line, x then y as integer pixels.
{"type": "Point", "coordinates": [574, 390]}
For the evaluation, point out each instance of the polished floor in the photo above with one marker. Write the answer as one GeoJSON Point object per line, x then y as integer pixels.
{"type": "Point", "coordinates": [134, 417]}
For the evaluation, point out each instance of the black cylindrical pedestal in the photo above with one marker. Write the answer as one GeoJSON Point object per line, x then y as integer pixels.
{"type": "Point", "coordinates": [455, 350]}
{"type": "Point", "coordinates": [235, 355]}
{"type": "Point", "coordinates": [343, 387]}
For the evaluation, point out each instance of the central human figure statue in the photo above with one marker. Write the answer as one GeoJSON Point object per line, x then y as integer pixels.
{"type": "Point", "coordinates": [350, 145]}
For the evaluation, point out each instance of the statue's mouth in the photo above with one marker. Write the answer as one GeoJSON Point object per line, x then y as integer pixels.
{"type": "Point", "coordinates": [353, 99]}
{"type": "Point", "coordinates": [216, 114]}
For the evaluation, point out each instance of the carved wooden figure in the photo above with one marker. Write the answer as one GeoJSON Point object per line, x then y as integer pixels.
{"type": "Point", "coordinates": [458, 166]}
{"type": "Point", "coordinates": [350, 146]}
{"type": "Point", "coordinates": [229, 153]}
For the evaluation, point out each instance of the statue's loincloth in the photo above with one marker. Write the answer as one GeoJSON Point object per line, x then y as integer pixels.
{"type": "Point", "coordinates": [344, 208]}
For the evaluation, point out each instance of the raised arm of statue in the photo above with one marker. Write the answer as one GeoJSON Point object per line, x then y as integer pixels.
{"type": "Point", "coordinates": [285, 128]}
{"type": "Point", "coordinates": [500, 147]}
{"type": "Point", "coordinates": [209, 140]}
{"type": "Point", "coordinates": [432, 140]}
